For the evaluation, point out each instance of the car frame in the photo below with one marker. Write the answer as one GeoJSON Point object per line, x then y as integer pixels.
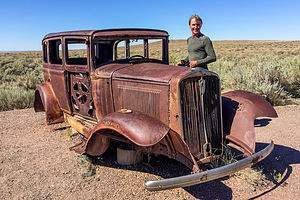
{"type": "Point", "coordinates": [118, 89]}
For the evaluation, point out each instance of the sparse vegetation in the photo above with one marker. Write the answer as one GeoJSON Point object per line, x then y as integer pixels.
{"type": "Point", "coordinates": [20, 73]}
{"type": "Point", "coordinates": [269, 68]}
{"type": "Point", "coordinates": [227, 158]}
{"type": "Point", "coordinates": [71, 133]}
{"type": "Point", "coordinates": [276, 176]}
{"type": "Point", "coordinates": [85, 163]}
{"type": "Point", "coordinates": [254, 176]}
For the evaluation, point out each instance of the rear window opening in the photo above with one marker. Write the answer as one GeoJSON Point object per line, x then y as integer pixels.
{"type": "Point", "coordinates": [45, 58]}
{"type": "Point", "coordinates": [55, 51]}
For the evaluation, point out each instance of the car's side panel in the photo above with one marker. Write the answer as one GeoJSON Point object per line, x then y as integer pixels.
{"type": "Point", "coordinates": [174, 103]}
{"type": "Point", "coordinates": [54, 73]}
{"type": "Point", "coordinates": [150, 98]}
{"type": "Point", "coordinates": [57, 81]}
{"type": "Point", "coordinates": [101, 92]}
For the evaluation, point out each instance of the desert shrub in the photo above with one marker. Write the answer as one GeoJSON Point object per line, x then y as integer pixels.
{"type": "Point", "coordinates": [265, 78]}
{"type": "Point", "coordinates": [269, 68]}
{"type": "Point", "coordinates": [174, 58]}
{"type": "Point", "coordinates": [33, 77]}
{"type": "Point", "coordinates": [291, 70]}
{"type": "Point", "coordinates": [17, 69]}
{"type": "Point", "coordinates": [13, 97]}
{"type": "Point", "coordinates": [268, 75]}
{"type": "Point", "coordinates": [20, 73]}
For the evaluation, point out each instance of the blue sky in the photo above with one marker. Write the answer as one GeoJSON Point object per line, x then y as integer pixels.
{"type": "Point", "coordinates": [24, 23]}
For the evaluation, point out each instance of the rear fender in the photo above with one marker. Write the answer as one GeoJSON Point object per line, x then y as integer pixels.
{"type": "Point", "coordinates": [148, 133]}
{"type": "Point", "coordinates": [45, 100]}
{"type": "Point", "coordinates": [240, 109]}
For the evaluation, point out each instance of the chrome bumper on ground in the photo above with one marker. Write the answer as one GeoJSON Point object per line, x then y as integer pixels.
{"type": "Point", "coordinates": [193, 179]}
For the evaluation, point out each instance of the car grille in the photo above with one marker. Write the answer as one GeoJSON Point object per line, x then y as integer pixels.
{"type": "Point", "coordinates": [201, 115]}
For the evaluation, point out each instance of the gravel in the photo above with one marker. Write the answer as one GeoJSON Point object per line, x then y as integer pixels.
{"type": "Point", "coordinates": [35, 163]}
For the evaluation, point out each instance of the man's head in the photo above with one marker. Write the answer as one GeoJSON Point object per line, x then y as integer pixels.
{"type": "Point", "coordinates": [195, 24]}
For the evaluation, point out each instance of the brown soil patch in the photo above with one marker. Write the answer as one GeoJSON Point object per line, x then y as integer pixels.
{"type": "Point", "coordinates": [35, 163]}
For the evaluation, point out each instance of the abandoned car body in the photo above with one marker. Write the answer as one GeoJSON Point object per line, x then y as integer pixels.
{"type": "Point", "coordinates": [118, 85]}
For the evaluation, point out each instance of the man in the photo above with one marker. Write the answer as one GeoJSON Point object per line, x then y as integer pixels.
{"type": "Point", "coordinates": [200, 48]}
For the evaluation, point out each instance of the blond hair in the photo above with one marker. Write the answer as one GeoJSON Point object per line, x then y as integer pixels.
{"type": "Point", "coordinates": [196, 17]}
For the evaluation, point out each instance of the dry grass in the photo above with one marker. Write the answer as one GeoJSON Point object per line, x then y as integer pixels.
{"type": "Point", "coordinates": [270, 68]}
{"type": "Point", "coordinates": [245, 48]}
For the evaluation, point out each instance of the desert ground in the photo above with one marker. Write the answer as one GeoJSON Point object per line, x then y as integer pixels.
{"type": "Point", "coordinates": [35, 163]}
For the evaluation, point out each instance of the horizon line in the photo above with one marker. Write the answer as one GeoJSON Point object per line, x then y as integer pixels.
{"type": "Point", "coordinates": [14, 51]}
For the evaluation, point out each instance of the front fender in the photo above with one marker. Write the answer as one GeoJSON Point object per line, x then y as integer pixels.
{"type": "Point", "coordinates": [139, 128]}
{"type": "Point", "coordinates": [45, 100]}
{"type": "Point", "coordinates": [240, 109]}
{"type": "Point", "coordinates": [146, 132]}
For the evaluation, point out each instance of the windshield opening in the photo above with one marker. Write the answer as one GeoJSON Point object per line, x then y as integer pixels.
{"type": "Point", "coordinates": [126, 50]}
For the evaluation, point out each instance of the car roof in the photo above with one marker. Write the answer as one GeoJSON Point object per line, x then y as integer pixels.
{"type": "Point", "coordinates": [129, 32]}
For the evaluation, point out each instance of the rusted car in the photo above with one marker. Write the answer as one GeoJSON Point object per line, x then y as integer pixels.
{"type": "Point", "coordinates": [117, 85]}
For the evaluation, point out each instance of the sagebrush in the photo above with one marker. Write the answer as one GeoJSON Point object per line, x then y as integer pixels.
{"type": "Point", "coordinates": [269, 68]}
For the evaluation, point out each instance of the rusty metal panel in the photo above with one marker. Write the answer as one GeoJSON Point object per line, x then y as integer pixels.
{"type": "Point", "coordinates": [137, 127]}
{"type": "Point", "coordinates": [81, 95]}
{"type": "Point", "coordinates": [240, 109]}
{"type": "Point", "coordinates": [130, 32]}
{"type": "Point", "coordinates": [147, 98]}
{"type": "Point", "coordinates": [46, 75]}
{"type": "Point", "coordinates": [70, 33]}
{"type": "Point", "coordinates": [101, 92]}
{"type": "Point", "coordinates": [79, 124]}
{"type": "Point", "coordinates": [57, 80]}
{"type": "Point", "coordinates": [149, 71]}
{"type": "Point", "coordinates": [174, 101]}
{"type": "Point", "coordinates": [128, 125]}
{"type": "Point", "coordinates": [45, 100]}
{"type": "Point", "coordinates": [107, 70]}
{"type": "Point", "coordinates": [111, 32]}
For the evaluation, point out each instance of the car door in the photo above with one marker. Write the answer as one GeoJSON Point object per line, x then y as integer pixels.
{"type": "Point", "coordinates": [78, 76]}
{"type": "Point", "coordinates": [54, 71]}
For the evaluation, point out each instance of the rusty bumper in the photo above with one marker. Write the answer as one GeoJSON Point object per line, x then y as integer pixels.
{"type": "Point", "coordinates": [193, 179]}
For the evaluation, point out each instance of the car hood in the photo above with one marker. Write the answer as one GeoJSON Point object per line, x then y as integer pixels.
{"type": "Point", "coordinates": [143, 71]}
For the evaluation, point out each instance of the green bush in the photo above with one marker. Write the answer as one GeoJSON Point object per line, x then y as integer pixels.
{"type": "Point", "coordinates": [20, 73]}
{"type": "Point", "coordinates": [275, 79]}
{"type": "Point", "coordinates": [269, 68]}
{"type": "Point", "coordinates": [13, 97]}
{"type": "Point", "coordinates": [174, 58]}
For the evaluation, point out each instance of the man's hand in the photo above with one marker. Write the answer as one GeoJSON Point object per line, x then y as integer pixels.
{"type": "Point", "coordinates": [183, 63]}
{"type": "Point", "coordinates": [193, 63]}
{"type": "Point", "coordinates": [179, 63]}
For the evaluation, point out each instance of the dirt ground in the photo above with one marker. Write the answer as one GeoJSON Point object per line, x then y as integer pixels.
{"type": "Point", "coordinates": [35, 163]}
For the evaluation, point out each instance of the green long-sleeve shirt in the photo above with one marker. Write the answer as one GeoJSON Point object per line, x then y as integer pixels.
{"type": "Point", "coordinates": [200, 49]}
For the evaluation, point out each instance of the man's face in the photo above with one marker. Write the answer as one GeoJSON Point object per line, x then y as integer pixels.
{"type": "Point", "coordinates": [195, 26]}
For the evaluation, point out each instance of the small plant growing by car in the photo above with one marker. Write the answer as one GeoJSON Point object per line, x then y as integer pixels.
{"type": "Point", "coordinates": [86, 167]}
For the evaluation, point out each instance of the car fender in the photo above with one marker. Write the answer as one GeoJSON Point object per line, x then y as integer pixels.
{"type": "Point", "coordinates": [137, 127]}
{"type": "Point", "coordinates": [45, 100]}
{"type": "Point", "coordinates": [240, 109]}
{"type": "Point", "coordinates": [149, 133]}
